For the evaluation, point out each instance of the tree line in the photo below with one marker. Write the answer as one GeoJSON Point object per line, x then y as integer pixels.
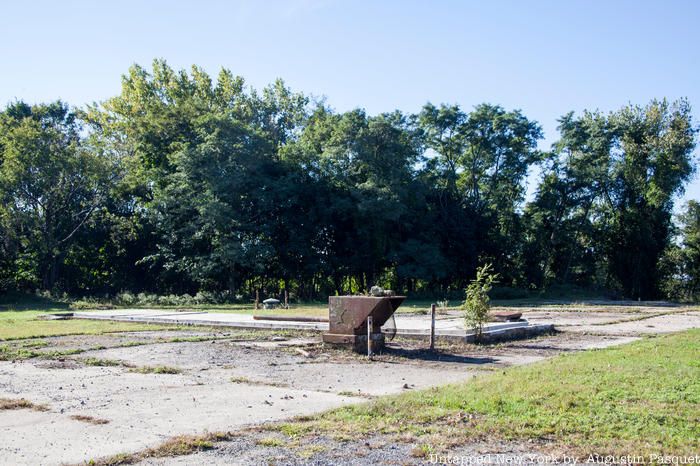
{"type": "Point", "coordinates": [185, 184]}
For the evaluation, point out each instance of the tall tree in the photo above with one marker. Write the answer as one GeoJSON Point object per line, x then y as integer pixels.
{"type": "Point", "coordinates": [484, 157]}
{"type": "Point", "coordinates": [683, 259]}
{"type": "Point", "coordinates": [208, 170]}
{"type": "Point", "coordinates": [562, 235]}
{"type": "Point", "coordinates": [606, 202]}
{"type": "Point", "coordinates": [650, 162]}
{"type": "Point", "coordinates": [51, 185]}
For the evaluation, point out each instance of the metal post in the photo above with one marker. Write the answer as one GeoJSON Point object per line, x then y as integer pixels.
{"type": "Point", "coordinates": [432, 327]}
{"type": "Point", "coordinates": [369, 335]}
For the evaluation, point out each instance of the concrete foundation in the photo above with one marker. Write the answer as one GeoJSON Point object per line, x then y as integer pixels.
{"type": "Point", "coordinates": [407, 325]}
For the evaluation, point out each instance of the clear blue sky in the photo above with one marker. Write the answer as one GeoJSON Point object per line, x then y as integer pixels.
{"type": "Point", "coordinates": [543, 57]}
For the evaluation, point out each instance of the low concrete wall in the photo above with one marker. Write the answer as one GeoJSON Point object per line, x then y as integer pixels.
{"type": "Point", "coordinates": [487, 336]}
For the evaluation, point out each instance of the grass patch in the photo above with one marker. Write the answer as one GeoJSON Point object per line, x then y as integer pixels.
{"type": "Point", "coordinates": [639, 398]}
{"type": "Point", "coordinates": [10, 353]}
{"type": "Point", "coordinates": [356, 394]}
{"type": "Point", "coordinates": [156, 370]}
{"type": "Point", "coordinates": [102, 362]}
{"type": "Point", "coordinates": [19, 319]}
{"type": "Point", "coordinates": [20, 403]}
{"type": "Point", "coordinates": [270, 442]}
{"type": "Point", "coordinates": [35, 344]}
{"type": "Point", "coordinates": [16, 325]}
{"type": "Point", "coordinates": [89, 419]}
{"type": "Point", "coordinates": [175, 446]}
{"type": "Point", "coordinates": [247, 381]}
{"type": "Point", "coordinates": [19, 353]}
{"type": "Point", "coordinates": [310, 451]}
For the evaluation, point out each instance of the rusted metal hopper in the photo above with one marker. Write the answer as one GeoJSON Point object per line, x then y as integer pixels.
{"type": "Point", "coordinates": [347, 317]}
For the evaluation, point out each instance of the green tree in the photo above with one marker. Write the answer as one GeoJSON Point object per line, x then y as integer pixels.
{"type": "Point", "coordinates": [650, 164]}
{"type": "Point", "coordinates": [51, 185]}
{"type": "Point", "coordinates": [603, 209]}
{"type": "Point", "coordinates": [682, 261]}
{"type": "Point", "coordinates": [205, 166]}
{"type": "Point", "coordinates": [479, 161]}
{"type": "Point", "coordinates": [563, 240]}
{"type": "Point", "coordinates": [367, 162]}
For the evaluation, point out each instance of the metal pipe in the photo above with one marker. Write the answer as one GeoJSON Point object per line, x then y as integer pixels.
{"type": "Point", "coordinates": [432, 327]}
{"type": "Point", "coordinates": [369, 335]}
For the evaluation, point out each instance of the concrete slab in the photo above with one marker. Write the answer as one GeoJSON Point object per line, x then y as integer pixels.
{"type": "Point", "coordinates": [143, 410]}
{"type": "Point", "coordinates": [282, 366]}
{"type": "Point", "coordinates": [409, 325]}
{"type": "Point", "coordinates": [562, 319]}
{"type": "Point", "coordinates": [222, 386]}
{"type": "Point", "coordinates": [197, 318]}
{"type": "Point", "coordinates": [668, 323]}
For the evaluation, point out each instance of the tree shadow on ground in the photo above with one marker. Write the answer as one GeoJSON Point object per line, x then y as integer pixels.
{"type": "Point", "coordinates": [436, 356]}
{"type": "Point", "coordinates": [15, 301]}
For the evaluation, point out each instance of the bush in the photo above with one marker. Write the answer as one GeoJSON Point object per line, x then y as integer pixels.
{"type": "Point", "coordinates": [477, 303]}
{"type": "Point", "coordinates": [125, 299]}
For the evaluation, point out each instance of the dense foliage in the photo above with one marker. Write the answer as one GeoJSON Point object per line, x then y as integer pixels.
{"type": "Point", "coordinates": [184, 184]}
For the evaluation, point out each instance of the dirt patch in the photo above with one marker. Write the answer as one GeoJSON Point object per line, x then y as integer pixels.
{"type": "Point", "coordinates": [58, 364]}
{"type": "Point", "coordinates": [8, 404]}
{"type": "Point", "coordinates": [89, 419]}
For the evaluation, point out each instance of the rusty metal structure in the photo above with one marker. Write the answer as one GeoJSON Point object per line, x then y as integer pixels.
{"type": "Point", "coordinates": [347, 320]}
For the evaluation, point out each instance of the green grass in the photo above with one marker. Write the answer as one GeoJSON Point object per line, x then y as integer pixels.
{"type": "Point", "coordinates": [639, 398]}
{"type": "Point", "coordinates": [156, 370]}
{"type": "Point", "coordinates": [320, 309]}
{"type": "Point", "coordinates": [175, 446]}
{"type": "Point", "coordinates": [18, 353]}
{"type": "Point", "coordinates": [19, 319]}
{"type": "Point", "coordinates": [270, 442]}
{"type": "Point", "coordinates": [16, 325]}
{"type": "Point", "coordinates": [102, 362]}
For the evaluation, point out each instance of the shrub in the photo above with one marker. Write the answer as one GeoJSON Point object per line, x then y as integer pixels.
{"type": "Point", "coordinates": [126, 299]}
{"type": "Point", "coordinates": [477, 303]}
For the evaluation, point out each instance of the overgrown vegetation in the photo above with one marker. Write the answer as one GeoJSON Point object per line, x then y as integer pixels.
{"type": "Point", "coordinates": [207, 190]}
{"type": "Point", "coordinates": [639, 398]}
